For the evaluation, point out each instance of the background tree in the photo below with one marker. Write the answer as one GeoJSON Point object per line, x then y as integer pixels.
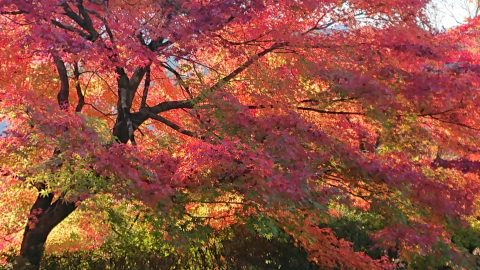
{"type": "Point", "coordinates": [446, 13]}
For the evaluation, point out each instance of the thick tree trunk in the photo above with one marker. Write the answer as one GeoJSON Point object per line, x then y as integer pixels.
{"type": "Point", "coordinates": [43, 217]}
{"type": "Point", "coordinates": [31, 253]}
{"type": "Point", "coordinates": [127, 123]}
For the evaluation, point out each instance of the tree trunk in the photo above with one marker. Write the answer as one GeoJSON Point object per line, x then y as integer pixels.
{"type": "Point", "coordinates": [43, 217]}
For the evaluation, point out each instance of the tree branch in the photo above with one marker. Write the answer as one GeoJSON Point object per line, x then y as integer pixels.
{"type": "Point", "coordinates": [134, 82]}
{"type": "Point", "coordinates": [84, 21]}
{"type": "Point", "coordinates": [146, 86]}
{"type": "Point", "coordinates": [70, 28]}
{"type": "Point", "coordinates": [81, 97]}
{"type": "Point", "coordinates": [171, 105]}
{"type": "Point", "coordinates": [63, 93]}
{"type": "Point", "coordinates": [158, 43]}
{"type": "Point", "coordinates": [329, 112]}
{"type": "Point", "coordinates": [454, 123]}
{"type": "Point", "coordinates": [307, 109]}
{"type": "Point", "coordinates": [13, 12]}
{"type": "Point", "coordinates": [180, 81]}
{"type": "Point", "coordinates": [222, 82]}
{"type": "Point", "coordinates": [172, 125]}
{"type": "Point", "coordinates": [105, 23]}
{"type": "Point", "coordinates": [189, 104]}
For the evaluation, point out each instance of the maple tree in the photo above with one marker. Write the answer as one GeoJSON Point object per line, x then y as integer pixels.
{"type": "Point", "coordinates": [302, 112]}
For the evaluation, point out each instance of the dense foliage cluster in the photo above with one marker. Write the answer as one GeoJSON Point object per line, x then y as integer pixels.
{"type": "Point", "coordinates": [237, 134]}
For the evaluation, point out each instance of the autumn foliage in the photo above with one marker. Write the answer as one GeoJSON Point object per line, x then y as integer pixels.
{"type": "Point", "coordinates": [349, 129]}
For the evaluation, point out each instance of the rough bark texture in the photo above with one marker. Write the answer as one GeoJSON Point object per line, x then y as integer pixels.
{"type": "Point", "coordinates": [43, 217]}
{"type": "Point", "coordinates": [127, 122]}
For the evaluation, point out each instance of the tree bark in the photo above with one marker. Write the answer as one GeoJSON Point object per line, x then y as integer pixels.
{"type": "Point", "coordinates": [127, 122]}
{"type": "Point", "coordinates": [43, 217]}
